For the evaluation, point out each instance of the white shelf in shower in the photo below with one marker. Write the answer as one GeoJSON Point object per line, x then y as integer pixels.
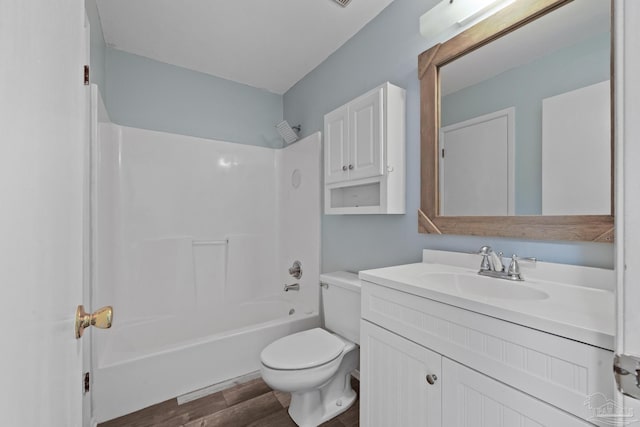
{"type": "Point", "coordinates": [210, 242]}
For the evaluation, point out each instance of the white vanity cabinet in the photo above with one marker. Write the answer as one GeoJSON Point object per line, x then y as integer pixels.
{"type": "Point", "coordinates": [490, 372]}
{"type": "Point", "coordinates": [473, 399]}
{"type": "Point", "coordinates": [364, 154]}
{"type": "Point", "coordinates": [393, 371]}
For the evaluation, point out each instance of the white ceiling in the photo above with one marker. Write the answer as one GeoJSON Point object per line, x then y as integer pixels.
{"type": "Point", "coordinates": [268, 44]}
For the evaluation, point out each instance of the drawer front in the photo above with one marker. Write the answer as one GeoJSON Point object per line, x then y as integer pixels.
{"type": "Point", "coordinates": [470, 399]}
{"type": "Point", "coordinates": [565, 373]}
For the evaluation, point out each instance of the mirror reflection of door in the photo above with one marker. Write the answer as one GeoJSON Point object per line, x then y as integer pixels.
{"type": "Point", "coordinates": [476, 166]}
{"type": "Point", "coordinates": [576, 151]}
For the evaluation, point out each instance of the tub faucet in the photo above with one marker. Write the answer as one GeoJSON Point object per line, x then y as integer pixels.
{"type": "Point", "coordinates": [294, 287]}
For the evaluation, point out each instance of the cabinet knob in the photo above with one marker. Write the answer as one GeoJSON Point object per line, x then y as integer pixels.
{"type": "Point", "coordinates": [431, 379]}
{"type": "Point", "coordinates": [350, 167]}
{"type": "Point", "coordinates": [344, 168]}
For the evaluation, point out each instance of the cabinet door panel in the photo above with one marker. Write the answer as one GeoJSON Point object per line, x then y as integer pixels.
{"type": "Point", "coordinates": [471, 399]}
{"type": "Point", "coordinates": [393, 388]}
{"type": "Point", "coordinates": [365, 133]}
{"type": "Point", "coordinates": [336, 151]}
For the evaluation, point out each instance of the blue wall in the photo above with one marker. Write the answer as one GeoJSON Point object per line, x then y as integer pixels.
{"type": "Point", "coordinates": [387, 49]}
{"type": "Point", "coordinates": [149, 94]}
{"type": "Point", "coordinates": [524, 88]}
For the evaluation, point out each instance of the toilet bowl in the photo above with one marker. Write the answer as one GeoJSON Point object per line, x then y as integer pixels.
{"type": "Point", "coordinates": [315, 366]}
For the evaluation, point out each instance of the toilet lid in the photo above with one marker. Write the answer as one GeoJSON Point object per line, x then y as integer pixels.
{"type": "Point", "coordinates": [302, 350]}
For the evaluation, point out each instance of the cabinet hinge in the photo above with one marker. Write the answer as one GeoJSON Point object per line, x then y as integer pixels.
{"type": "Point", "coordinates": [86, 382]}
{"type": "Point", "coordinates": [86, 75]}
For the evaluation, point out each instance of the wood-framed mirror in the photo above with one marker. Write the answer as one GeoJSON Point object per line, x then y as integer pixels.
{"type": "Point", "coordinates": [539, 191]}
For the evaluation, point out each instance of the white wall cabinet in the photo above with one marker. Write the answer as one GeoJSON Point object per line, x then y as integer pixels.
{"type": "Point", "coordinates": [364, 154]}
{"type": "Point", "coordinates": [489, 372]}
{"type": "Point", "coordinates": [336, 145]}
{"type": "Point", "coordinates": [354, 139]}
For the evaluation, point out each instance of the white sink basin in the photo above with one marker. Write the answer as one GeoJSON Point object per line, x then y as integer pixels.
{"type": "Point", "coordinates": [487, 287]}
{"type": "Point", "coordinates": [565, 300]}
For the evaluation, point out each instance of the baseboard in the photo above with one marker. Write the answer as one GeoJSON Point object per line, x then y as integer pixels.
{"type": "Point", "coordinates": [197, 394]}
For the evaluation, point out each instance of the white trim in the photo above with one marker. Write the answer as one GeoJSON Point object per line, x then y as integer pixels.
{"type": "Point", "coordinates": [206, 391]}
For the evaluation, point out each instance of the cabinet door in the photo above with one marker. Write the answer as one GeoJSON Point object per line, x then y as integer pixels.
{"type": "Point", "coordinates": [336, 151]}
{"type": "Point", "coordinates": [393, 387]}
{"type": "Point", "coordinates": [471, 399]}
{"type": "Point", "coordinates": [366, 150]}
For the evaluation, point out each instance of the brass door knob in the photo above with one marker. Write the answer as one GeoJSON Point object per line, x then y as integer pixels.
{"type": "Point", "coordinates": [101, 318]}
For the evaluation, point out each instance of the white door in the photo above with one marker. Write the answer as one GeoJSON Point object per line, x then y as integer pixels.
{"type": "Point", "coordinates": [393, 384]}
{"type": "Point", "coordinates": [627, 46]}
{"type": "Point", "coordinates": [336, 151]}
{"type": "Point", "coordinates": [366, 157]}
{"type": "Point", "coordinates": [42, 110]}
{"type": "Point", "coordinates": [477, 166]}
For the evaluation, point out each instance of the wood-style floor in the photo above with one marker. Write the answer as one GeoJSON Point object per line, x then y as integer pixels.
{"type": "Point", "coordinates": [252, 404]}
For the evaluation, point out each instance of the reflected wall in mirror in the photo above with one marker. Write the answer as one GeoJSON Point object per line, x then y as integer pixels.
{"type": "Point", "coordinates": [516, 125]}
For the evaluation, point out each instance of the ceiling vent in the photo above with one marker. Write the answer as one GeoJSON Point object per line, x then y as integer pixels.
{"type": "Point", "coordinates": [343, 3]}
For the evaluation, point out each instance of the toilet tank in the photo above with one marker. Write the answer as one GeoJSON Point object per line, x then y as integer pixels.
{"type": "Point", "coordinates": [341, 304]}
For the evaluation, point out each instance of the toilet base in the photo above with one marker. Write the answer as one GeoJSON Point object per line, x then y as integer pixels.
{"type": "Point", "coordinates": [309, 412]}
{"type": "Point", "coordinates": [313, 407]}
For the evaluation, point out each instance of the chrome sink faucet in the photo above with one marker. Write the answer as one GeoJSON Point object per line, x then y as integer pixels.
{"type": "Point", "coordinates": [492, 265]}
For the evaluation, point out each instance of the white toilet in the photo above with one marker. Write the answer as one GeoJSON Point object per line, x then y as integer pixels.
{"type": "Point", "coordinates": [315, 366]}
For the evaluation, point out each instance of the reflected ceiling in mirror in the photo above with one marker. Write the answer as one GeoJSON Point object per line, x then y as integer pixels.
{"type": "Point", "coordinates": [516, 125]}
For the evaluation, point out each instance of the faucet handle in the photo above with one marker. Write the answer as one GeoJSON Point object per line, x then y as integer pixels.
{"type": "Point", "coordinates": [513, 272]}
{"type": "Point", "coordinates": [296, 270]}
{"type": "Point", "coordinates": [485, 251]}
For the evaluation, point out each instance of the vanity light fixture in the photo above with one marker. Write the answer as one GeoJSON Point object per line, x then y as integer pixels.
{"type": "Point", "coordinates": [454, 14]}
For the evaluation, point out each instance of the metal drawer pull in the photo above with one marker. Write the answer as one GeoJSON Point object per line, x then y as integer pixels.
{"type": "Point", "coordinates": [431, 379]}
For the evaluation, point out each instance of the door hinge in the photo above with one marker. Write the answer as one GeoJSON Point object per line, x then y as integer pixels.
{"type": "Point", "coordinates": [86, 75]}
{"type": "Point", "coordinates": [626, 370]}
{"type": "Point", "coordinates": [86, 382]}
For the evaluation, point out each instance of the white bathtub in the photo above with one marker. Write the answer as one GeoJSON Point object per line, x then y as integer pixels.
{"type": "Point", "coordinates": [193, 239]}
{"type": "Point", "coordinates": [150, 361]}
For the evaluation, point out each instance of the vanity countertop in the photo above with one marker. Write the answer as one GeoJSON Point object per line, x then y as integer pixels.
{"type": "Point", "coordinates": [580, 313]}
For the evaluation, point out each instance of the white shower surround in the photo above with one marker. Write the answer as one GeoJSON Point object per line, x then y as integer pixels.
{"type": "Point", "coordinates": [193, 240]}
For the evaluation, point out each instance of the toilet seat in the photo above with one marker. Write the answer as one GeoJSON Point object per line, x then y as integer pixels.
{"type": "Point", "coordinates": [303, 350]}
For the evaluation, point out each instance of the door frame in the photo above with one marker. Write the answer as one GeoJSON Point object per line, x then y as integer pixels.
{"type": "Point", "coordinates": [627, 203]}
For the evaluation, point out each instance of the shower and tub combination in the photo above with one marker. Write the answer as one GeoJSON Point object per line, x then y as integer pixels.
{"type": "Point", "coordinates": [193, 242]}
